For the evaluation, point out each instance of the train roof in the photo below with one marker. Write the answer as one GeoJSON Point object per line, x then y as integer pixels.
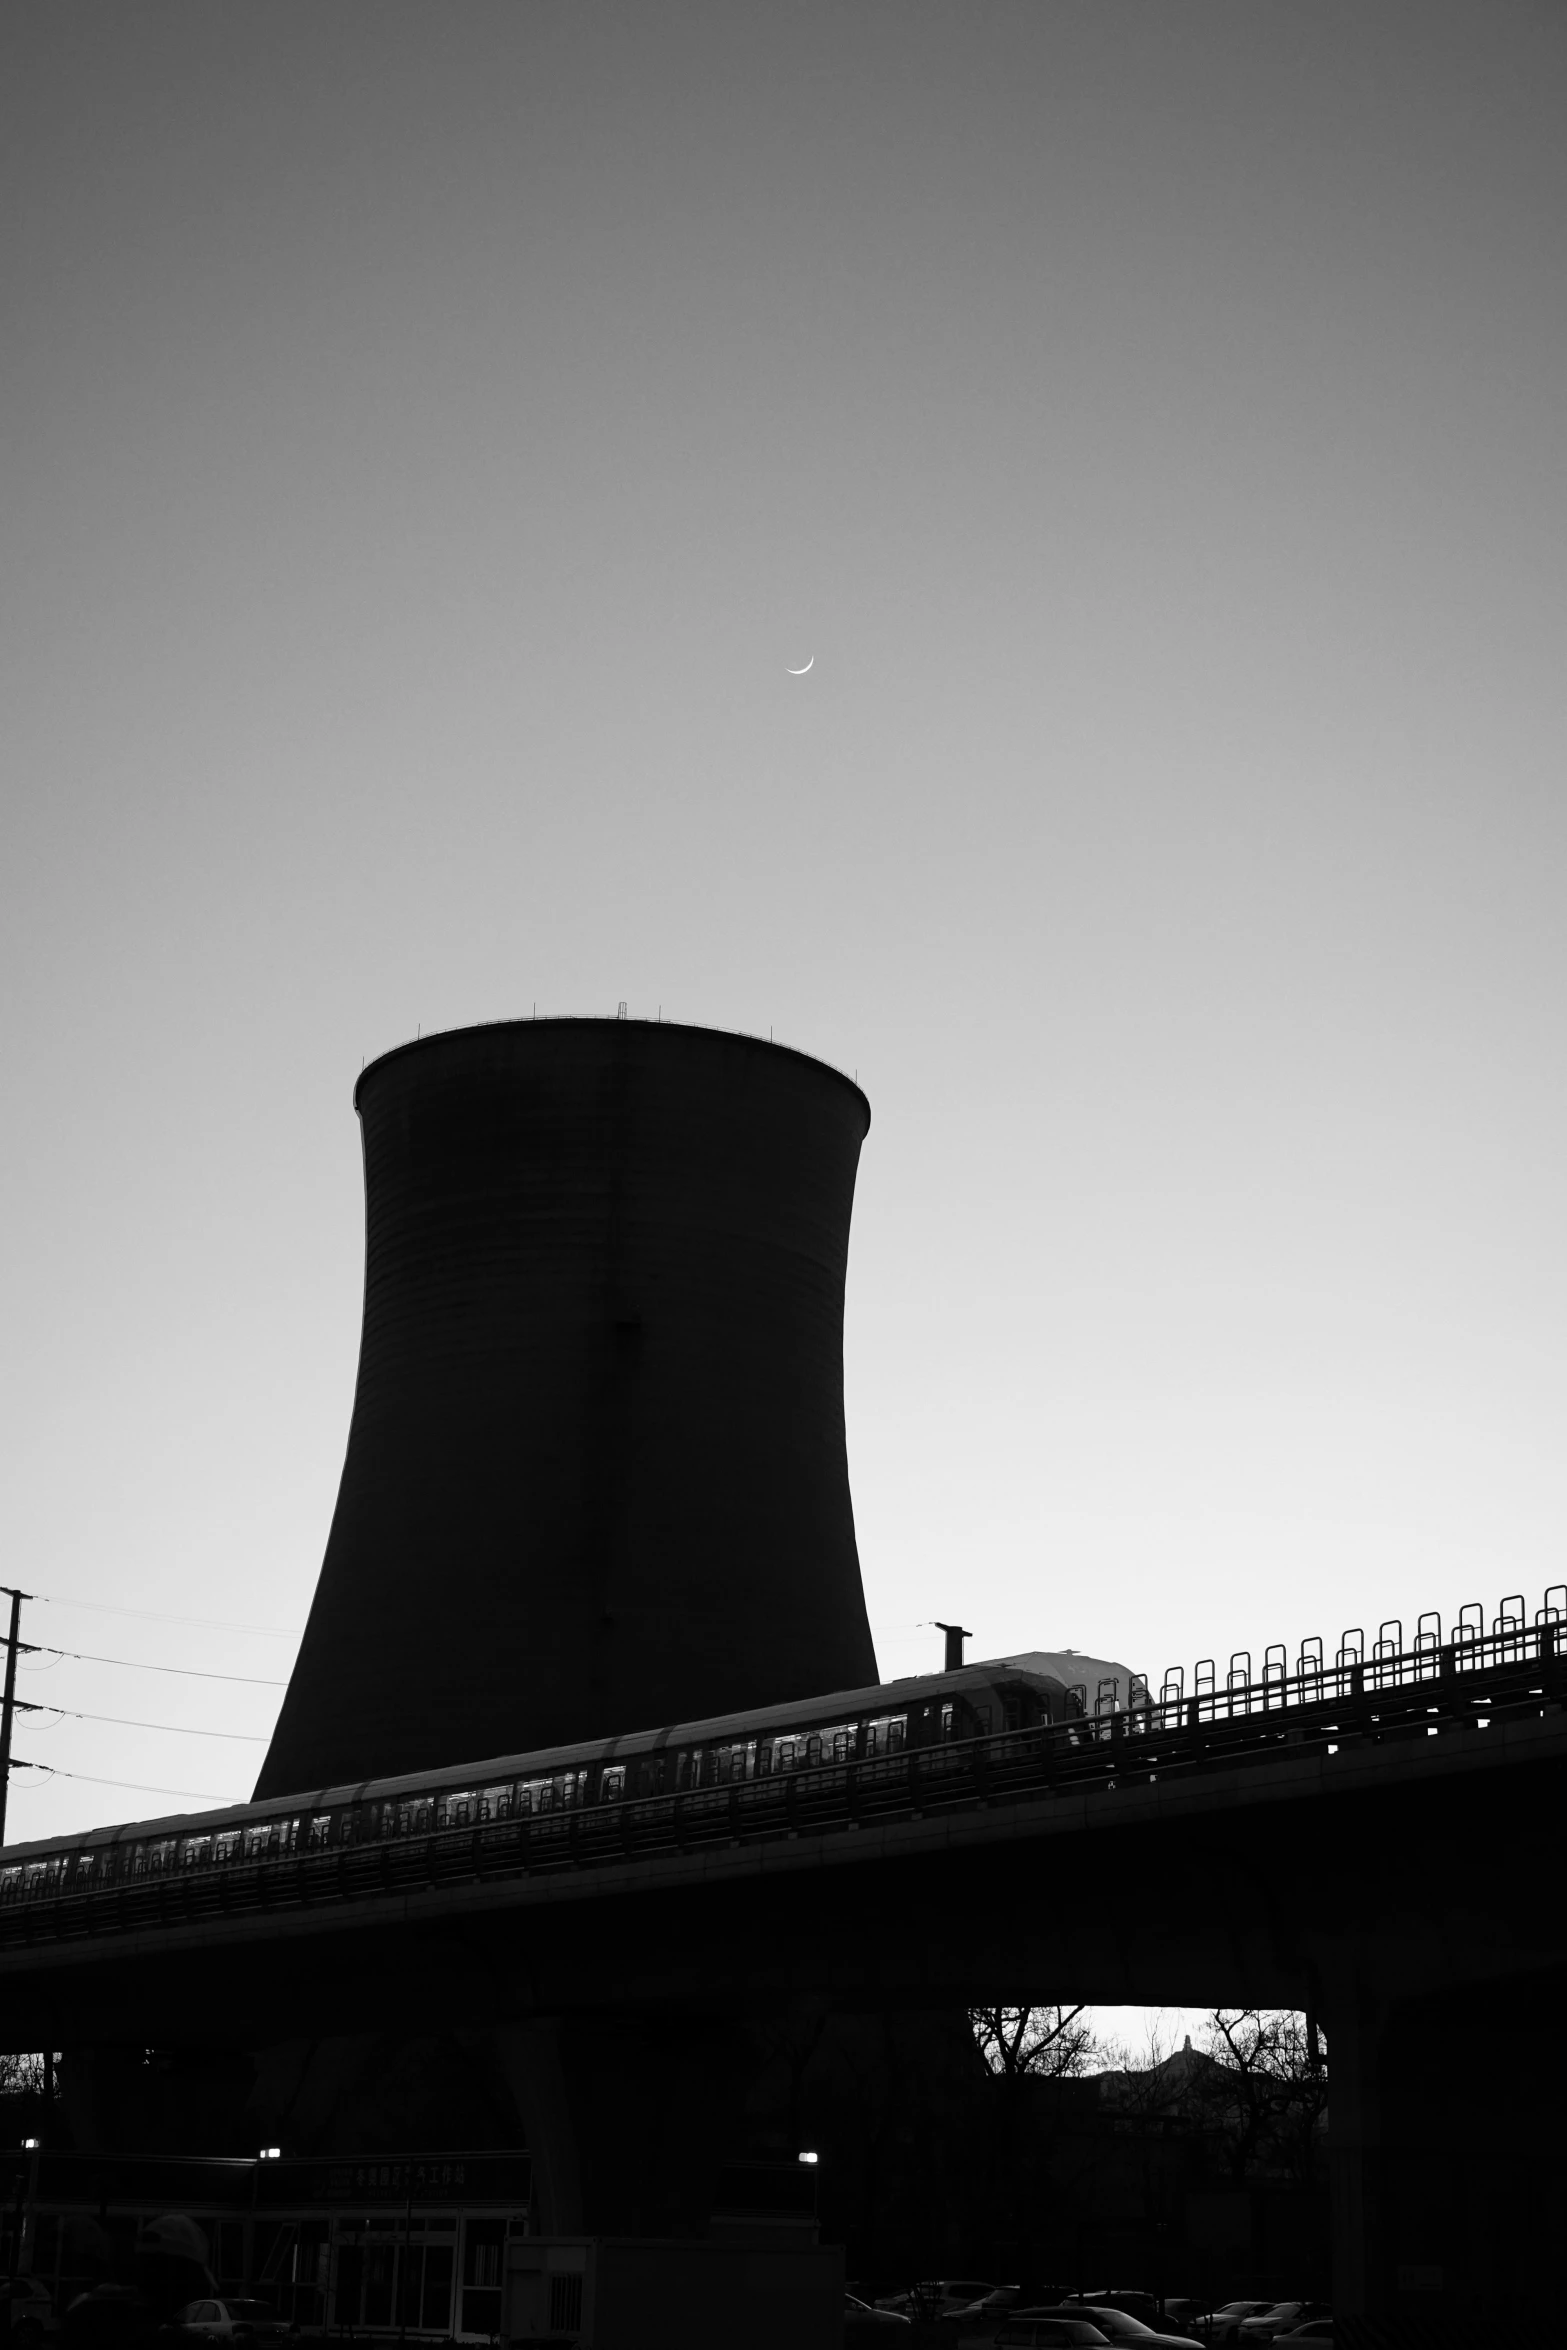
{"type": "Point", "coordinates": [1056, 1669]}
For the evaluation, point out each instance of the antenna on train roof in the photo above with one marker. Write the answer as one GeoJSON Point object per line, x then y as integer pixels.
{"type": "Point", "coordinates": [956, 1635]}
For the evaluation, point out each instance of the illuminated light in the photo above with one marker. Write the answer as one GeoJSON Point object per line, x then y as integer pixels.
{"type": "Point", "coordinates": [31, 2145]}
{"type": "Point", "coordinates": [271, 2154]}
{"type": "Point", "coordinates": [810, 2158]}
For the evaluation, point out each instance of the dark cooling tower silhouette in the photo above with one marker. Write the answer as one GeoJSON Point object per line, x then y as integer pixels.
{"type": "Point", "coordinates": [596, 1476]}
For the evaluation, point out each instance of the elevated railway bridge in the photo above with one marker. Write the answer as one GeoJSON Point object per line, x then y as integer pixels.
{"type": "Point", "coordinates": [1373, 1838]}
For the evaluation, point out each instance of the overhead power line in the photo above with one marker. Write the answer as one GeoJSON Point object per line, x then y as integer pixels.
{"type": "Point", "coordinates": [137, 1786]}
{"type": "Point", "coordinates": [123, 1722]}
{"type": "Point", "coordinates": [151, 1616]}
{"type": "Point", "coordinates": [134, 1664]}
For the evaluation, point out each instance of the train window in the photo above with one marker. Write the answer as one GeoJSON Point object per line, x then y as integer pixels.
{"type": "Point", "coordinates": [946, 1721]}
{"type": "Point", "coordinates": [982, 1720]}
{"type": "Point", "coordinates": [269, 1839]}
{"type": "Point", "coordinates": [155, 1858]}
{"type": "Point", "coordinates": [458, 1810]}
{"type": "Point", "coordinates": [652, 1774]}
{"type": "Point", "coordinates": [556, 1793]}
{"type": "Point", "coordinates": [813, 1748]}
{"type": "Point", "coordinates": [495, 1803]}
{"type": "Point", "coordinates": [225, 1844]}
{"type": "Point", "coordinates": [320, 1831]}
{"type": "Point", "coordinates": [735, 1762]}
{"type": "Point", "coordinates": [10, 1883]}
{"type": "Point", "coordinates": [612, 1786]}
{"type": "Point", "coordinates": [886, 1733]}
{"type": "Point", "coordinates": [195, 1852]}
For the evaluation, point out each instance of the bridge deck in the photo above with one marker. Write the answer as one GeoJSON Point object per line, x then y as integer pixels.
{"type": "Point", "coordinates": [1013, 1786]}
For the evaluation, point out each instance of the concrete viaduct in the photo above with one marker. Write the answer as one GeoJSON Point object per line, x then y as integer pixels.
{"type": "Point", "coordinates": [1386, 1861]}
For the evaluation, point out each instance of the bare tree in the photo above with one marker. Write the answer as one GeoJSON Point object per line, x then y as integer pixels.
{"type": "Point", "coordinates": [1264, 2093]}
{"type": "Point", "coordinates": [1040, 2043]}
{"type": "Point", "coordinates": [1024, 2049]}
{"type": "Point", "coordinates": [21, 2073]}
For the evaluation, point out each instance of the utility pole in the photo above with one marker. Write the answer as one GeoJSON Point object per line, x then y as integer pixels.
{"type": "Point", "coordinates": [8, 1708]}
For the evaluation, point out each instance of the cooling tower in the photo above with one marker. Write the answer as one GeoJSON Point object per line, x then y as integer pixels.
{"type": "Point", "coordinates": [596, 1477]}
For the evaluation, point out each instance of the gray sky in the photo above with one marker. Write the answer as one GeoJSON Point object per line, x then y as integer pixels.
{"type": "Point", "coordinates": [426, 438]}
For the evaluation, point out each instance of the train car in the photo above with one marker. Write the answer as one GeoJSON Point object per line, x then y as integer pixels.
{"type": "Point", "coordinates": [756, 1749]}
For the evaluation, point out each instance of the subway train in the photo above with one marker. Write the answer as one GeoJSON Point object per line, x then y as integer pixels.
{"type": "Point", "coordinates": [929, 1710]}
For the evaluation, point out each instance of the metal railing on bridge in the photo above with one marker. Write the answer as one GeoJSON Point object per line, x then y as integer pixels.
{"type": "Point", "coordinates": [1467, 1650]}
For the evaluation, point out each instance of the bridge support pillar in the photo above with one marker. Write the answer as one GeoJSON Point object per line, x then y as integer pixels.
{"type": "Point", "coordinates": [1356, 2020]}
{"type": "Point", "coordinates": [628, 2118]}
{"type": "Point", "coordinates": [530, 2058]}
{"type": "Point", "coordinates": [1448, 2169]}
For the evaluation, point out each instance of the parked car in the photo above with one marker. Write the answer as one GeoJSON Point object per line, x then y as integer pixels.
{"type": "Point", "coordinates": [1227, 2320]}
{"type": "Point", "coordinates": [232, 2321]}
{"type": "Point", "coordinates": [1182, 2315]}
{"type": "Point", "coordinates": [858, 2315]}
{"type": "Point", "coordinates": [1142, 2305]}
{"type": "Point", "coordinates": [1046, 2329]}
{"type": "Point", "coordinates": [976, 2327]}
{"type": "Point", "coordinates": [1255, 2333]}
{"type": "Point", "coordinates": [1125, 2331]}
{"type": "Point", "coordinates": [31, 2308]}
{"type": "Point", "coordinates": [939, 2297]}
{"type": "Point", "coordinates": [1316, 2329]}
{"type": "Point", "coordinates": [108, 2317]}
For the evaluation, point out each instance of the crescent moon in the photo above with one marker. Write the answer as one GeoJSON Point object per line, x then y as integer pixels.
{"type": "Point", "coordinates": [811, 664]}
